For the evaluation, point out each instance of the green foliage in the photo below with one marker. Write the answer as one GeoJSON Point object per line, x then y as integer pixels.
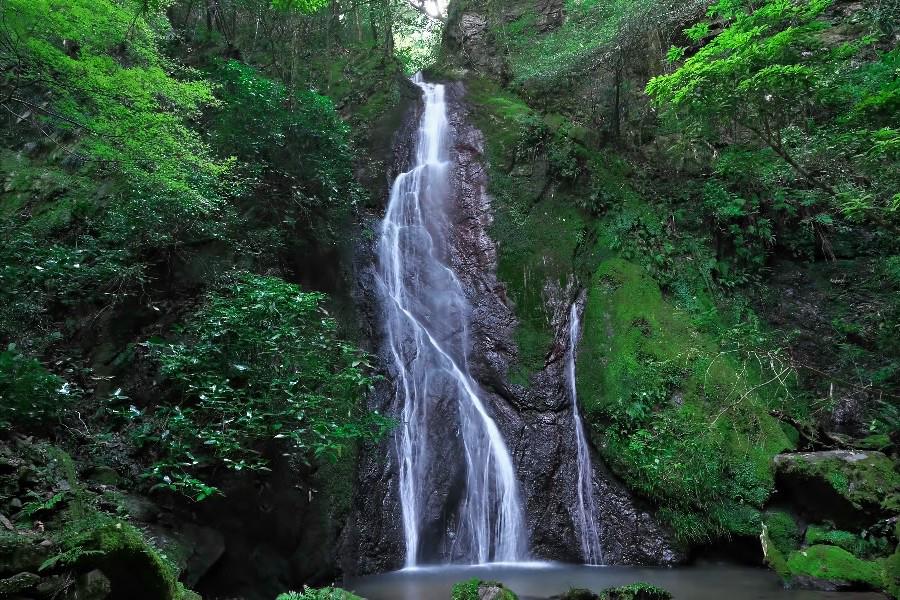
{"type": "Point", "coordinates": [782, 531]}
{"type": "Point", "coordinates": [891, 574]}
{"type": "Point", "coordinates": [258, 362]}
{"type": "Point", "coordinates": [29, 394]}
{"type": "Point", "coordinates": [592, 33]}
{"type": "Point", "coordinates": [868, 546]}
{"type": "Point", "coordinates": [772, 74]}
{"type": "Point", "coordinates": [297, 134]}
{"type": "Point", "coordinates": [303, 6]}
{"type": "Point", "coordinates": [309, 593]}
{"type": "Point", "coordinates": [294, 148]}
{"type": "Point", "coordinates": [122, 107]}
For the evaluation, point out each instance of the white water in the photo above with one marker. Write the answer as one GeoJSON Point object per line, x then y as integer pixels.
{"type": "Point", "coordinates": [587, 525]}
{"type": "Point", "coordinates": [426, 328]}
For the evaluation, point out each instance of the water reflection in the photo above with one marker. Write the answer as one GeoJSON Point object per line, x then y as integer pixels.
{"type": "Point", "coordinates": [541, 580]}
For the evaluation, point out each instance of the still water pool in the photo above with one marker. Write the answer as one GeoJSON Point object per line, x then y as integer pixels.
{"type": "Point", "coordinates": [541, 580]}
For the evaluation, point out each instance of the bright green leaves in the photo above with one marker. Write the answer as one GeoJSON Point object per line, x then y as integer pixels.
{"type": "Point", "coordinates": [697, 32]}
{"type": "Point", "coordinates": [297, 136]}
{"type": "Point", "coordinates": [303, 6]}
{"type": "Point", "coordinates": [28, 392]}
{"type": "Point", "coordinates": [259, 362]}
{"type": "Point", "coordinates": [118, 107]}
{"type": "Point", "coordinates": [773, 82]}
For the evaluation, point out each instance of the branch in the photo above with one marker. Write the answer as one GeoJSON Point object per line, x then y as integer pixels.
{"type": "Point", "coordinates": [421, 6]}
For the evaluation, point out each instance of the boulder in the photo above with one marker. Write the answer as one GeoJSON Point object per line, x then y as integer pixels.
{"type": "Point", "coordinates": [635, 591]}
{"type": "Point", "coordinates": [18, 583]}
{"type": "Point", "coordinates": [476, 589]}
{"type": "Point", "coordinates": [829, 568]}
{"type": "Point", "coordinates": [851, 488]}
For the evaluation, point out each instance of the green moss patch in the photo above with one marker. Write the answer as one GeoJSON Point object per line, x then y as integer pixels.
{"type": "Point", "coordinates": [537, 228]}
{"type": "Point", "coordinates": [675, 418]}
{"type": "Point", "coordinates": [135, 568]}
{"type": "Point", "coordinates": [475, 589]}
{"type": "Point", "coordinates": [850, 488]}
{"type": "Point", "coordinates": [635, 591]}
{"type": "Point", "coordinates": [834, 564]}
{"type": "Point", "coordinates": [854, 543]}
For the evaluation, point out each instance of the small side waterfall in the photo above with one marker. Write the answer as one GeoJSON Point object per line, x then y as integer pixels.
{"type": "Point", "coordinates": [588, 528]}
{"type": "Point", "coordinates": [426, 320]}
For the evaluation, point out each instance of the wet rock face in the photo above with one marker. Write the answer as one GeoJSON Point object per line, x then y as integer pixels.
{"type": "Point", "coordinates": [468, 38]}
{"type": "Point", "coordinates": [537, 421]}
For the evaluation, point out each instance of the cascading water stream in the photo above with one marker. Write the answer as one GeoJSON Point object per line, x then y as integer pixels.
{"type": "Point", "coordinates": [426, 329]}
{"type": "Point", "coordinates": [587, 526]}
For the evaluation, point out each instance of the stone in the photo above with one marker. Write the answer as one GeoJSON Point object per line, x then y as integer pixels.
{"type": "Point", "coordinates": [140, 508]}
{"type": "Point", "coordinates": [635, 591]}
{"type": "Point", "coordinates": [18, 583]}
{"type": "Point", "coordinates": [536, 422]}
{"type": "Point", "coordinates": [830, 568]}
{"type": "Point", "coordinates": [102, 474]}
{"type": "Point", "coordinates": [851, 488]}
{"type": "Point", "coordinates": [93, 585]}
{"type": "Point", "coordinates": [193, 548]}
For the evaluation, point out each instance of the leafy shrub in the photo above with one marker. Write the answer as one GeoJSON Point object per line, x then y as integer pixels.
{"type": "Point", "coordinates": [259, 362]}
{"type": "Point", "coordinates": [29, 394]}
{"type": "Point", "coordinates": [294, 142]}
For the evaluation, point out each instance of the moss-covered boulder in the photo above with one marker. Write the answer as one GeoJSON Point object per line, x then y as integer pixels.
{"type": "Point", "coordinates": [852, 489]}
{"type": "Point", "coordinates": [890, 572]}
{"type": "Point", "coordinates": [680, 420]}
{"type": "Point", "coordinates": [830, 567]}
{"type": "Point", "coordinates": [134, 568]}
{"type": "Point", "coordinates": [476, 589]}
{"type": "Point", "coordinates": [18, 583]}
{"type": "Point", "coordinates": [330, 593]}
{"type": "Point", "coordinates": [635, 591]}
{"type": "Point", "coordinates": [862, 546]}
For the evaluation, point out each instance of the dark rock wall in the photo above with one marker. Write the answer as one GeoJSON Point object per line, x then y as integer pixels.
{"type": "Point", "coordinates": [537, 421]}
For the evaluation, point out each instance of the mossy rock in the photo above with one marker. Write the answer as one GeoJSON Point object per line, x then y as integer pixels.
{"type": "Point", "coordinates": [852, 489]}
{"type": "Point", "coordinates": [854, 543]}
{"type": "Point", "coordinates": [891, 574]}
{"type": "Point", "coordinates": [677, 419]}
{"type": "Point", "coordinates": [330, 593]}
{"type": "Point", "coordinates": [20, 552]}
{"type": "Point", "coordinates": [773, 556]}
{"type": "Point", "coordinates": [635, 591]}
{"type": "Point", "coordinates": [476, 589]}
{"type": "Point", "coordinates": [134, 567]}
{"type": "Point", "coordinates": [18, 583]}
{"type": "Point", "coordinates": [835, 565]}
{"type": "Point", "coordinates": [782, 530]}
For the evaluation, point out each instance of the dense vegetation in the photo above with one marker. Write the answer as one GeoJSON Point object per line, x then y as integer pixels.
{"type": "Point", "coordinates": [185, 185]}
{"type": "Point", "coordinates": [720, 178]}
{"type": "Point", "coordinates": [176, 179]}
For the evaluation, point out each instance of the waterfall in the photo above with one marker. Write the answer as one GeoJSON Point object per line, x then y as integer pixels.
{"type": "Point", "coordinates": [426, 321]}
{"type": "Point", "coordinates": [587, 525]}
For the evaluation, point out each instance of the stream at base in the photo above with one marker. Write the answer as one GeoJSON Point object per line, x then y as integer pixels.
{"type": "Point", "coordinates": [541, 580]}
